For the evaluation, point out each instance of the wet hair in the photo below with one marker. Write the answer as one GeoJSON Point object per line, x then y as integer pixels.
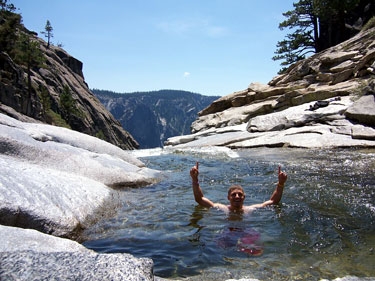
{"type": "Point", "coordinates": [233, 187]}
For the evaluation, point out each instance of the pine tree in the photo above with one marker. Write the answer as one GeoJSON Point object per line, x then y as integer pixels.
{"type": "Point", "coordinates": [48, 33]}
{"type": "Point", "coordinates": [302, 41]}
{"type": "Point", "coordinates": [319, 24]}
{"type": "Point", "coordinates": [28, 53]}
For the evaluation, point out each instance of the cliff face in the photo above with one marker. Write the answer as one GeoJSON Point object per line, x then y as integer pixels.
{"type": "Point", "coordinates": [152, 117]}
{"type": "Point", "coordinates": [58, 94]}
{"type": "Point", "coordinates": [326, 100]}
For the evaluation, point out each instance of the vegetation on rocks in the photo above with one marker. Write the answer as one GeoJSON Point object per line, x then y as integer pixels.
{"type": "Point", "coordinates": [42, 82]}
{"type": "Point", "coordinates": [319, 24]}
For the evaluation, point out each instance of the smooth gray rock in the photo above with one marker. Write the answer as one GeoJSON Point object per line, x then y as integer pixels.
{"type": "Point", "coordinates": [60, 181]}
{"type": "Point", "coordinates": [49, 200]}
{"type": "Point", "coordinates": [299, 116]}
{"type": "Point", "coordinates": [363, 110]}
{"type": "Point", "coordinates": [14, 239]}
{"type": "Point", "coordinates": [27, 254]}
{"type": "Point", "coordinates": [30, 265]}
{"type": "Point", "coordinates": [58, 135]}
{"type": "Point", "coordinates": [363, 132]}
{"type": "Point", "coordinates": [293, 127]}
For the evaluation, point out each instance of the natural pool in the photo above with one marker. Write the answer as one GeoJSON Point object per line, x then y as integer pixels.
{"type": "Point", "coordinates": [323, 228]}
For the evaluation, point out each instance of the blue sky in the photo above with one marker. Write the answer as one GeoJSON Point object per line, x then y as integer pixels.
{"type": "Point", "coordinates": [211, 47]}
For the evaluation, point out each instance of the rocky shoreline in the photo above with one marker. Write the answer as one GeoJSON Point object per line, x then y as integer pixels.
{"type": "Point", "coordinates": [54, 183]}
{"type": "Point", "coordinates": [326, 100]}
{"type": "Point", "coordinates": [296, 127]}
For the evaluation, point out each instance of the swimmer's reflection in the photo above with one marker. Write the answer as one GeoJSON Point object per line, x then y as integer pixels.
{"type": "Point", "coordinates": [233, 237]}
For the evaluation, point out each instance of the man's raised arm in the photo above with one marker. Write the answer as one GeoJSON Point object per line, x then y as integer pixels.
{"type": "Point", "coordinates": [198, 193]}
{"type": "Point", "coordinates": [278, 192]}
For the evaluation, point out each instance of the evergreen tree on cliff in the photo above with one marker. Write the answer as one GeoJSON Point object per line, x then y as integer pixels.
{"type": "Point", "coordinates": [28, 53]}
{"type": "Point", "coordinates": [48, 33]}
{"type": "Point", "coordinates": [319, 24]}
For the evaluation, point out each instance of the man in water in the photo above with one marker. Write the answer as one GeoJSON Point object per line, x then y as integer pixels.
{"type": "Point", "coordinates": [236, 195]}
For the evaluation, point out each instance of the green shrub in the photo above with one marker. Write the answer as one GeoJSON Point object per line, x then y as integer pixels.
{"type": "Point", "coordinates": [56, 119]}
{"type": "Point", "coordinates": [100, 135]}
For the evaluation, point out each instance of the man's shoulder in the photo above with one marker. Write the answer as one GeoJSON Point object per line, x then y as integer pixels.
{"type": "Point", "coordinates": [251, 208]}
{"type": "Point", "coordinates": [221, 206]}
{"type": "Point", "coordinates": [256, 206]}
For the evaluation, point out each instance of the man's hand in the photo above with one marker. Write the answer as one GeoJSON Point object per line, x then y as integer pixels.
{"type": "Point", "coordinates": [194, 172]}
{"type": "Point", "coordinates": [282, 176]}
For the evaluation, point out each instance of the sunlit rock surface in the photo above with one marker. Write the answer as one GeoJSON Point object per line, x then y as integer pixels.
{"type": "Point", "coordinates": [59, 181]}
{"type": "Point", "coordinates": [326, 100]}
{"type": "Point", "coordinates": [293, 127]}
{"type": "Point", "coordinates": [27, 254]}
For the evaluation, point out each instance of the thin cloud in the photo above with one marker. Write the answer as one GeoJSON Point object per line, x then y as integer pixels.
{"type": "Point", "coordinates": [186, 74]}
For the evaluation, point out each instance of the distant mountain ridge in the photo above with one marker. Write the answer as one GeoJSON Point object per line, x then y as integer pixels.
{"type": "Point", "coordinates": [153, 117]}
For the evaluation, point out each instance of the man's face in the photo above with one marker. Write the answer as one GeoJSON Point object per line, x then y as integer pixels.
{"type": "Point", "coordinates": [236, 198]}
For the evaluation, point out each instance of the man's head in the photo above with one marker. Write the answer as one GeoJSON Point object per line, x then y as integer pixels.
{"type": "Point", "coordinates": [236, 196]}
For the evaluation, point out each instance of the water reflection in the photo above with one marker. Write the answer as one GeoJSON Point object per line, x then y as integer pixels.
{"type": "Point", "coordinates": [235, 236]}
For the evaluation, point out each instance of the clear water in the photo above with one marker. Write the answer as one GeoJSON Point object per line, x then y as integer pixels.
{"type": "Point", "coordinates": [323, 228]}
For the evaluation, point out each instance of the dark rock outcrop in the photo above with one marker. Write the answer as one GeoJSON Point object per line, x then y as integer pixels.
{"type": "Point", "coordinates": [60, 72]}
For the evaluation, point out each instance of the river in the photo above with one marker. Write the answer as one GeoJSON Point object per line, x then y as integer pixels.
{"type": "Point", "coordinates": [324, 226]}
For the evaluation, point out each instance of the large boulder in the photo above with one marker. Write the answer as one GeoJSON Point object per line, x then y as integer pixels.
{"type": "Point", "coordinates": [51, 201]}
{"type": "Point", "coordinates": [60, 181]}
{"type": "Point", "coordinates": [232, 116]}
{"type": "Point", "coordinates": [363, 110]}
{"type": "Point", "coordinates": [299, 116]}
{"type": "Point", "coordinates": [298, 126]}
{"type": "Point", "coordinates": [30, 255]}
